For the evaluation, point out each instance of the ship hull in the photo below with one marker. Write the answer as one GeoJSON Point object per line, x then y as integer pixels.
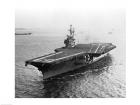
{"type": "Point", "coordinates": [65, 67]}
{"type": "Point", "coordinates": [69, 59]}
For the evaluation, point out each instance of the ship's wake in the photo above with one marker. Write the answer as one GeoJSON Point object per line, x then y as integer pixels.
{"type": "Point", "coordinates": [95, 80]}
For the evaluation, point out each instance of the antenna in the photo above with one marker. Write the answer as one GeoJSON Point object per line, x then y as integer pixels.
{"type": "Point", "coordinates": [70, 30]}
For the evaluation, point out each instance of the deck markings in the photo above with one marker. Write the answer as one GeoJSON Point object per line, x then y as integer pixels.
{"type": "Point", "coordinates": [67, 56]}
{"type": "Point", "coordinates": [46, 56]}
{"type": "Point", "coordinates": [97, 48]}
{"type": "Point", "coordinates": [102, 48]}
{"type": "Point", "coordinates": [54, 54]}
{"type": "Point", "coordinates": [91, 48]}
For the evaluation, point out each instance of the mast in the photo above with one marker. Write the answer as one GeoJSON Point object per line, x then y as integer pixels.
{"type": "Point", "coordinates": [71, 30]}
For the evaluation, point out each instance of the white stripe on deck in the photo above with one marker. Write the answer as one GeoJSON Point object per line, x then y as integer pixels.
{"type": "Point", "coordinates": [54, 54]}
{"type": "Point", "coordinates": [97, 48]}
{"type": "Point", "coordinates": [102, 48]}
{"type": "Point", "coordinates": [47, 56]}
{"type": "Point", "coordinates": [91, 48]}
{"type": "Point", "coordinates": [67, 56]}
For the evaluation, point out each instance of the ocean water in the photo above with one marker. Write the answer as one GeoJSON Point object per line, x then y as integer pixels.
{"type": "Point", "coordinates": [103, 79]}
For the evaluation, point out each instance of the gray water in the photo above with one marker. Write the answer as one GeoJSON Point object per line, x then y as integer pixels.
{"type": "Point", "coordinates": [105, 78]}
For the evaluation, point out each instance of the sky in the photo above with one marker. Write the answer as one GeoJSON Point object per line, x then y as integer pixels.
{"type": "Point", "coordinates": [56, 16]}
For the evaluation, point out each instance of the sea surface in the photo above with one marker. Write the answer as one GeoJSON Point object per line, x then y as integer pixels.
{"type": "Point", "coordinates": [103, 79]}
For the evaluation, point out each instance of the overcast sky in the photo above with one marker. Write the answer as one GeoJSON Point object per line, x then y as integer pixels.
{"type": "Point", "coordinates": [57, 16]}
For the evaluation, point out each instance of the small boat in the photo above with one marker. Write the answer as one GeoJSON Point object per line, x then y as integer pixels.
{"type": "Point", "coordinates": [23, 33]}
{"type": "Point", "coordinates": [70, 57]}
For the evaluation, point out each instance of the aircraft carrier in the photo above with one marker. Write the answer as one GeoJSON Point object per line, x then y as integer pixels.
{"type": "Point", "coordinates": [70, 57]}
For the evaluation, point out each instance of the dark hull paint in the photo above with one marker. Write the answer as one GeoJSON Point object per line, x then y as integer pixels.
{"type": "Point", "coordinates": [64, 67]}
